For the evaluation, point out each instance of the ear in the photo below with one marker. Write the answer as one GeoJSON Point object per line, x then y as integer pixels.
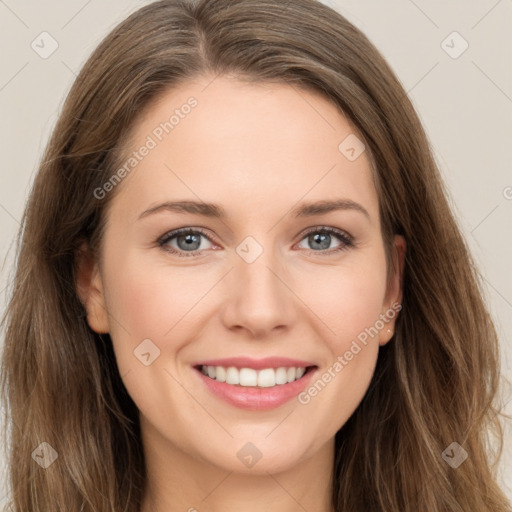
{"type": "Point", "coordinates": [394, 291]}
{"type": "Point", "coordinates": [89, 287]}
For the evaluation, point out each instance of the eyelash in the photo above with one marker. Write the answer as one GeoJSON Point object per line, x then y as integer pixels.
{"type": "Point", "coordinates": [347, 240]}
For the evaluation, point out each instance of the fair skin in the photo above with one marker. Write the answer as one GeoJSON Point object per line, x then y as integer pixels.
{"type": "Point", "coordinates": [258, 151]}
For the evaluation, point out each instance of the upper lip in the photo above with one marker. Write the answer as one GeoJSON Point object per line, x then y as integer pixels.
{"type": "Point", "coordinates": [256, 364]}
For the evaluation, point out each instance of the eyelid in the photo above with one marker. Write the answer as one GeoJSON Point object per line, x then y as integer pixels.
{"type": "Point", "coordinates": [161, 241]}
{"type": "Point", "coordinates": [347, 239]}
{"type": "Point", "coordinates": [328, 229]}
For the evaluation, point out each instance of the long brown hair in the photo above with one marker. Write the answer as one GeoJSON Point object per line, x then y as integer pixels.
{"type": "Point", "coordinates": [435, 382]}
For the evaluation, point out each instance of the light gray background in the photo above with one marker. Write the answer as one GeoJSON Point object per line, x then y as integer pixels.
{"type": "Point", "coordinates": [465, 104]}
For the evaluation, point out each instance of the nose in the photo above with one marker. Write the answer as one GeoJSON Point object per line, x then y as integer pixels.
{"type": "Point", "coordinates": [258, 298]}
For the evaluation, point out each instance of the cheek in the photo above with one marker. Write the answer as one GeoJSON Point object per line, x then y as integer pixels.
{"type": "Point", "coordinates": [152, 302]}
{"type": "Point", "coordinates": [143, 299]}
{"type": "Point", "coordinates": [350, 306]}
{"type": "Point", "coordinates": [351, 300]}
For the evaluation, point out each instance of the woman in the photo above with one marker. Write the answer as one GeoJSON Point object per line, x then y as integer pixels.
{"type": "Point", "coordinates": [323, 346]}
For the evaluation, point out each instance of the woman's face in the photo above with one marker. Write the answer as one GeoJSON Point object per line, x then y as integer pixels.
{"type": "Point", "coordinates": [260, 281]}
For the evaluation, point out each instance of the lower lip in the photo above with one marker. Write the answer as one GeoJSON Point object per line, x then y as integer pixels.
{"type": "Point", "coordinates": [255, 398]}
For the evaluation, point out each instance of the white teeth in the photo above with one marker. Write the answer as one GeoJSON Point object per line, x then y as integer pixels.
{"type": "Point", "coordinates": [232, 375]}
{"type": "Point", "coordinates": [281, 376]}
{"type": "Point", "coordinates": [220, 374]}
{"type": "Point", "coordinates": [266, 378]}
{"type": "Point", "coordinates": [248, 377]}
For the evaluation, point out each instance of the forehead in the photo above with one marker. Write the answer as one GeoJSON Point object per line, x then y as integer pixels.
{"type": "Point", "coordinates": [244, 144]}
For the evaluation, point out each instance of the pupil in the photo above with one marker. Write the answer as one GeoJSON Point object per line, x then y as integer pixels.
{"type": "Point", "coordinates": [190, 239]}
{"type": "Point", "coordinates": [322, 239]}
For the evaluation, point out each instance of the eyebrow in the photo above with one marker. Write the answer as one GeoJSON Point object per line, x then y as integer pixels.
{"type": "Point", "coordinates": [216, 211]}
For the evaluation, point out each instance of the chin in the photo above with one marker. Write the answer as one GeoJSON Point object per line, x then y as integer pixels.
{"type": "Point", "coordinates": [257, 457]}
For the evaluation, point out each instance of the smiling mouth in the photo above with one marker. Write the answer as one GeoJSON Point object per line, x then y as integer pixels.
{"type": "Point", "coordinates": [249, 377]}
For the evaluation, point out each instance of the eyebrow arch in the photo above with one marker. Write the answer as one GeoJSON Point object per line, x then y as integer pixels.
{"type": "Point", "coordinates": [216, 211]}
